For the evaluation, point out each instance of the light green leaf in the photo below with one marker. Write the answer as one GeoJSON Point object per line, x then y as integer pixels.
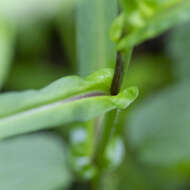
{"type": "Point", "coordinates": [33, 162]}
{"type": "Point", "coordinates": [70, 99]}
{"type": "Point", "coordinates": [159, 129]}
{"type": "Point", "coordinates": [147, 19]}
{"type": "Point", "coordinates": [94, 48]}
{"type": "Point", "coordinates": [6, 51]}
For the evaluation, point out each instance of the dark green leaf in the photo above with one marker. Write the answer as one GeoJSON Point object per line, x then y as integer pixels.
{"type": "Point", "coordinates": [6, 51]}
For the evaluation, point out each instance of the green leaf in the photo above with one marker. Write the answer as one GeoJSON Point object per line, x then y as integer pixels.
{"type": "Point", "coordinates": [94, 48]}
{"type": "Point", "coordinates": [147, 19]}
{"type": "Point", "coordinates": [159, 129]}
{"type": "Point", "coordinates": [178, 48]}
{"type": "Point", "coordinates": [33, 162]}
{"type": "Point", "coordinates": [6, 51]}
{"type": "Point", "coordinates": [70, 99]}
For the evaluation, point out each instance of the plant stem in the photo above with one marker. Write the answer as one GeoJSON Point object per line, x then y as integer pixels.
{"type": "Point", "coordinates": [110, 119]}
{"type": "Point", "coordinates": [122, 64]}
{"type": "Point", "coordinates": [104, 137]}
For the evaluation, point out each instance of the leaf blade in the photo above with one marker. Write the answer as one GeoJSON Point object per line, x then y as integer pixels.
{"type": "Point", "coordinates": [161, 136]}
{"type": "Point", "coordinates": [145, 22]}
{"type": "Point", "coordinates": [48, 108]}
{"type": "Point", "coordinates": [43, 168]}
{"type": "Point", "coordinates": [94, 48]}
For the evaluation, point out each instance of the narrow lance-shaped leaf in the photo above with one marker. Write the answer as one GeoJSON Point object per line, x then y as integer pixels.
{"type": "Point", "coordinates": [94, 47]}
{"type": "Point", "coordinates": [147, 19]}
{"type": "Point", "coordinates": [70, 99]}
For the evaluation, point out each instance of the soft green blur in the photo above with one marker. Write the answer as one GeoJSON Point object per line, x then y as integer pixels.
{"type": "Point", "coordinates": [44, 40]}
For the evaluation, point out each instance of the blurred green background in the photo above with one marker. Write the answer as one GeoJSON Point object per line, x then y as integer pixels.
{"type": "Point", "coordinates": [40, 41]}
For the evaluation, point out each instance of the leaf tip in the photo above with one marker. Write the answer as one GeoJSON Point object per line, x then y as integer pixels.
{"type": "Point", "coordinates": [126, 97]}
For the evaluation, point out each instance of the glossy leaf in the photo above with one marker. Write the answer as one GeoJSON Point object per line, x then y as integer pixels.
{"type": "Point", "coordinates": [147, 19]}
{"type": "Point", "coordinates": [94, 47]}
{"type": "Point", "coordinates": [70, 99]}
{"type": "Point", "coordinates": [33, 162]}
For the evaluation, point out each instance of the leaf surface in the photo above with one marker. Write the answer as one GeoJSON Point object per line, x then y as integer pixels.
{"type": "Point", "coordinates": [33, 162]}
{"type": "Point", "coordinates": [70, 99]}
{"type": "Point", "coordinates": [95, 50]}
{"type": "Point", "coordinates": [178, 48]}
{"type": "Point", "coordinates": [159, 128]}
{"type": "Point", "coordinates": [142, 20]}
